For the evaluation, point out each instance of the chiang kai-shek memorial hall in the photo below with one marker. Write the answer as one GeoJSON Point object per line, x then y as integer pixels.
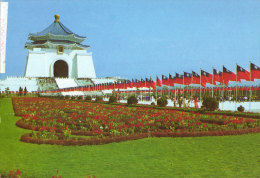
{"type": "Point", "coordinates": [58, 52]}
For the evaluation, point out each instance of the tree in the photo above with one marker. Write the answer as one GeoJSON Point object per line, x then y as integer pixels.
{"type": "Point", "coordinates": [180, 101]}
{"type": "Point", "coordinates": [162, 102]}
{"type": "Point", "coordinates": [25, 91]}
{"type": "Point", "coordinates": [132, 100]}
{"type": "Point", "coordinates": [112, 99]}
{"type": "Point", "coordinates": [210, 103]}
{"type": "Point", "coordinates": [7, 91]}
{"type": "Point", "coordinates": [20, 91]}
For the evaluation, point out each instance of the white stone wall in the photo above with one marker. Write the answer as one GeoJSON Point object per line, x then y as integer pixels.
{"type": "Point", "coordinates": [40, 63]}
{"type": "Point", "coordinates": [85, 66]}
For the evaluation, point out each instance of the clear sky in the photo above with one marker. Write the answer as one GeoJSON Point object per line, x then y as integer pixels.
{"type": "Point", "coordinates": [142, 38]}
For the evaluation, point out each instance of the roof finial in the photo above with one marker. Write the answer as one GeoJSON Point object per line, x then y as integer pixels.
{"type": "Point", "coordinates": [57, 18]}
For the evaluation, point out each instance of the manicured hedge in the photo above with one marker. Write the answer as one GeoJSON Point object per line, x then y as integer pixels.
{"type": "Point", "coordinates": [81, 141]}
{"type": "Point", "coordinates": [100, 141]}
{"type": "Point", "coordinates": [209, 133]}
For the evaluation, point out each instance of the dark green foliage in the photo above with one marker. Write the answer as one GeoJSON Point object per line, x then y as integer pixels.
{"type": "Point", "coordinates": [79, 98]}
{"type": "Point", "coordinates": [180, 101]}
{"type": "Point", "coordinates": [99, 98]}
{"type": "Point", "coordinates": [112, 99]}
{"type": "Point", "coordinates": [241, 108]}
{"type": "Point", "coordinates": [20, 91]}
{"type": "Point", "coordinates": [67, 97]}
{"type": "Point", "coordinates": [132, 100]}
{"type": "Point", "coordinates": [72, 97]}
{"type": "Point", "coordinates": [88, 98]}
{"type": "Point", "coordinates": [25, 91]}
{"type": "Point", "coordinates": [7, 91]}
{"type": "Point", "coordinates": [162, 102]}
{"type": "Point", "coordinates": [210, 104]}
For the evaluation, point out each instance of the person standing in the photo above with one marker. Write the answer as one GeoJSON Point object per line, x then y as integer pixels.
{"type": "Point", "coordinates": [196, 103]}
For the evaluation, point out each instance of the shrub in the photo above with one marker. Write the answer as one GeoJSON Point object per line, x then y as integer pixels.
{"type": "Point", "coordinates": [162, 102]}
{"type": "Point", "coordinates": [132, 100]}
{"type": "Point", "coordinates": [25, 91]}
{"type": "Point", "coordinates": [72, 97]}
{"type": "Point", "coordinates": [152, 104]}
{"type": "Point", "coordinates": [112, 99]}
{"type": "Point", "coordinates": [79, 98]}
{"type": "Point", "coordinates": [99, 98]}
{"type": "Point", "coordinates": [241, 108]}
{"type": "Point", "coordinates": [210, 104]}
{"type": "Point", "coordinates": [67, 97]}
{"type": "Point", "coordinates": [88, 98]}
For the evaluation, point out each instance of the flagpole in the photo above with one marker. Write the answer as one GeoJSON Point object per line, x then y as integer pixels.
{"type": "Point", "coordinates": [156, 95]}
{"type": "Point", "coordinates": [145, 86]}
{"type": "Point", "coordinates": [175, 93]}
{"type": "Point", "coordinates": [212, 81]}
{"type": "Point", "coordinates": [250, 94]}
{"type": "Point", "coordinates": [127, 90]}
{"type": "Point", "coordinates": [200, 89]}
{"type": "Point", "coordinates": [161, 88]}
{"type": "Point", "coordinates": [236, 89]}
{"type": "Point", "coordinates": [150, 90]}
{"type": "Point", "coordinates": [222, 92]}
{"type": "Point", "coordinates": [169, 87]}
{"type": "Point", "coordinates": [183, 85]}
{"type": "Point", "coordinates": [141, 91]}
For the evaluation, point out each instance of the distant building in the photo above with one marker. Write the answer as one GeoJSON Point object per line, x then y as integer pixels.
{"type": "Point", "coordinates": [58, 52]}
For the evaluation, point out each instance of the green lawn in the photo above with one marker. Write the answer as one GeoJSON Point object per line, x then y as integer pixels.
{"type": "Point", "coordinates": [227, 156]}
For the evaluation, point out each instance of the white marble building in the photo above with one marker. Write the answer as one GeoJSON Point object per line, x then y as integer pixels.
{"type": "Point", "coordinates": [58, 52]}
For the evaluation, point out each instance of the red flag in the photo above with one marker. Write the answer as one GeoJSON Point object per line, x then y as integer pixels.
{"type": "Point", "coordinates": [158, 82]}
{"type": "Point", "coordinates": [255, 72]}
{"type": "Point", "coordinates": [171, 80]}
{"type": "Point", "coordinates": [165, 80]}
{"type": "Point", "coordinates": [228, 76]}
{"type": "Point", "coordinates": [142, 83]}
{"type": "Point", "coordinates": [147, 83]}
{"type": "Point", "coordinates": [217, 76]}
{"type": "Point", "coordinates": [187, 78]}
{"type": "Point", "coordinates": [136, 83]}
{"type": "Point", "coordinates": [178, 78]}
{"type": "Point", "coordinates": [242, 74]}
{"type": "Point", "coordinates": [195, 78]}
{"type": "Point", "coordinates": [153, 85]}
{"type": "Point", "coordinates": [205, 78]}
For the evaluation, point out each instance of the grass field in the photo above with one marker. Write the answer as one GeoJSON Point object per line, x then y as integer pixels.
{"type": "Point", "coordinates": [226, 156]}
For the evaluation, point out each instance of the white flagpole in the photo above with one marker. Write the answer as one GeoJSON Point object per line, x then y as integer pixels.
{"type": "Point", "coordinates": [236, 90]}
{"type": "Point", "coordinates": [156, 95]}
{"type": "Point", "coordinates": [184, 104]}
{"type": "Point", "coordinates": [162, 87]}
{"type": "Point", "coordinates": [212, 81]}
{"type": "Point", "coordinates": [200, 89]}
{"type": "Point", "coordinates": [145, 88]}
{"type": "Point", "coordinates": [250, 94]}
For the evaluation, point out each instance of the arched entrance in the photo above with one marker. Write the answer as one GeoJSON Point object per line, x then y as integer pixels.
{"type": "Point", "coordinates": [61, 69]}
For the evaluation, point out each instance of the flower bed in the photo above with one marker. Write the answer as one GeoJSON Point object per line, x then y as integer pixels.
{"type": "Point", "coordinates": [111, 123]}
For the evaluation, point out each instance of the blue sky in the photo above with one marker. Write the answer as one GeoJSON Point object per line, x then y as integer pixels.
{"type": "Point", "coordinates": [142, 38]}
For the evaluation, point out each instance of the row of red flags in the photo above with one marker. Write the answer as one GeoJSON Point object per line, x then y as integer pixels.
{"type": "Point", "coordinates": [172, 91]}
{"type": "Point", "coordinates": [216, 76]}
{"type": "Point", "coordinates": [185, 79]}
{"type": "Point", "coordinates": [198, 90]}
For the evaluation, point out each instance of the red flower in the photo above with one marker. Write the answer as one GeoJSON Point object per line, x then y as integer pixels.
{"type": "Point", "coordinates": [43, 128]}
{"type": "Point", "coordinates": [11, 173]}
{"type": "Point", "coordinates": [18, 172]}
